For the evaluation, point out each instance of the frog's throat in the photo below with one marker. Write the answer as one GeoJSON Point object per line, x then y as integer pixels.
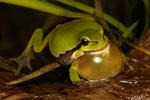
{"type": "Point", "coordinates": [79, 53]}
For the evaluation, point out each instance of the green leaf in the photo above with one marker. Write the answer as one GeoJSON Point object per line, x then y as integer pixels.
{"type": "Point", "coordinates": [60, 11]}
{"type": "Point", "coordinates": [91, 10]}
{"type": "Point", "coordinates": [47, 7]}
{"type": "Point", "coordinates": [115, 22]}
{"type": "Point", "coordinates": [78, 5]}
{"type": "Point", "coordinates": [128, 32]}
{"type": "Point", "coordinates": [147, 4]}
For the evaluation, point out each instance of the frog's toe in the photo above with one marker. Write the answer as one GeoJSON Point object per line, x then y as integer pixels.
{"type": "Point", "coordinates": [81, 83]}
{"type": "Point", "coordinates": [22, 61]}
{"type": "Point", "coordinates": [14, 59]}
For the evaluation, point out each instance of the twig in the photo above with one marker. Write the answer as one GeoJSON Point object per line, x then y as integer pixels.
{"type": "Point", "coordinates": [139, 48]}
{"type": "Point", "coordinates": [7, 65]}
{"type": "Point", "coordinates": [99, 14]}
{"type": "Point", "coordinates": [37, 73]}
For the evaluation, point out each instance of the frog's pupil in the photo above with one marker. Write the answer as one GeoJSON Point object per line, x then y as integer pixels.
{"type": "Point", "coordinates": [85, 41]}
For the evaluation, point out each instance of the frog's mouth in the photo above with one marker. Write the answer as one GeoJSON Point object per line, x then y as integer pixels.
{"type": "Point", "coordinates": [90, 51]}
{"type": "Point", "coordinates": [67, 57]}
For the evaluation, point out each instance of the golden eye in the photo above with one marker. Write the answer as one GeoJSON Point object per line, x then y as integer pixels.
{"type": "Point", "coordinates": [100, 64]}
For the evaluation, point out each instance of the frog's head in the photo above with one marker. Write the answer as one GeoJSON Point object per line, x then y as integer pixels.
{"type": "Point", "coordinates": [94, 40]}
{"type": "Point", "coordinates": [90, 41]}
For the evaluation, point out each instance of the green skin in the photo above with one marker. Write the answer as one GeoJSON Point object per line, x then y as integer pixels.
{"type": "Point", "coordinates": [66, 37]}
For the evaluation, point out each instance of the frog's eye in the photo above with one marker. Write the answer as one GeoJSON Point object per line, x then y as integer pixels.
{"type": "Point", "coordinates": [85, 41]}
{"type": "Point", "coordinates": [100, 64]}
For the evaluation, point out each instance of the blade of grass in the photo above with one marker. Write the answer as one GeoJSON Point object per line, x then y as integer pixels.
{"type": "Point", "coordinates": [128, 32]}
{"type": "Point", "coordinates": [60, 11]}
{"type": "Point", "coordinates": [107, 17]}
{"type": "Point", "coordinates": [117, 24]}
{"type": "Point", "coordinates": [7, 65]}
{"type": "Point", "coordinates": [47, 7]}
{"type": "Point", "coordinates": [37, 73]}
{"type": "Point", "coordinates": [99, 14]}
{"type": "Point", "coordinates": [141, 49]}
{"type": "Point", "coordinates": [78, 5]}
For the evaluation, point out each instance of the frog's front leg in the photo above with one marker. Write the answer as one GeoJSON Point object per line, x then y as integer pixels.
{"type": "Point", "coordinates": [36, 44]}
{"type": "Point", "coordinates": [74, 76]}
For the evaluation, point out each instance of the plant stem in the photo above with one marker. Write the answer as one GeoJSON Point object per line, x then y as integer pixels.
{"type": "Point", "coordinates": [99, 15]}
{"type": "Point", "coordinates": [98, 9]}
{"type": "Point", "coordinates": [78, 5]}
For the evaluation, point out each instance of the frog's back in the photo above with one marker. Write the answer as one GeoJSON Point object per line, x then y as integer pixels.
{"type": "Point", "coordinates": [67, 36]}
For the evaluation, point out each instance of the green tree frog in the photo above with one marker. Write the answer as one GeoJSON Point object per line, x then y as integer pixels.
{"type": "Point", "coordinates": [82, 45]}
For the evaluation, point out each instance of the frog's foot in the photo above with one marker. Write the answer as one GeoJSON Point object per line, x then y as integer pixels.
{"type": "Point", "coordinates": [84, 83]}
{"type": "Point", "coordinates": [78, 83]}
{"type": "Point", "coordinates": [22, 61]}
